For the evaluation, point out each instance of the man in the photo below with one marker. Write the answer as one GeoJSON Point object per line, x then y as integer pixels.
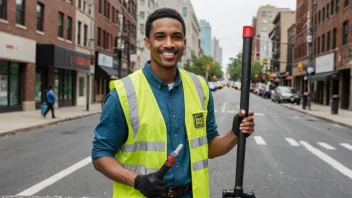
{"type": "Point", "coordinates": [150, 112]}
{"type": "Point", "coordinates": [50, 100]}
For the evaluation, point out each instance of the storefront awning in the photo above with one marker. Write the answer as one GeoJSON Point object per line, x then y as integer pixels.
{"type": "Point", "coordinates": [105, 72]}
{"type": "Point", "coordinates": [326, 76]}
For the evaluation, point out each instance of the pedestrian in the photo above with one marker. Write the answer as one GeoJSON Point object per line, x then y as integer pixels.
{"type": "Point", "coordinates": [149, 113]}
{"type": "Point", "coordinates": [50, 101]}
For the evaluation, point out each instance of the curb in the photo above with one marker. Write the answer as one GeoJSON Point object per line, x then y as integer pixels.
{"type": "Point", "coordinates": [320, 117]}
{"type": "Point", "coordinates": [25, 129]}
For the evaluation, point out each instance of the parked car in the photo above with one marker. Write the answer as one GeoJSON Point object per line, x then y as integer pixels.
{"type": "Point", "coordinates": [267, 91]}
{"type": "Point", "coordinates": [212, 86]}
{"type": "Point", "coordinates": [286, 94]}
{"type": "Point", "coordinates": [237, 85]}
{"type": "Point", "coordinates": [251, 87]}
{"type": "Point", "coordinates": [258, 88]}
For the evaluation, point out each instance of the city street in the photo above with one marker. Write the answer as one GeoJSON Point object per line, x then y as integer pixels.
{"type": "Point", "coordinates": [290, 155]}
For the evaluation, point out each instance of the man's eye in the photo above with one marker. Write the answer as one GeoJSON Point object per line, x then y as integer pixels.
{"type": "Point", "coordinates": [159, 37]}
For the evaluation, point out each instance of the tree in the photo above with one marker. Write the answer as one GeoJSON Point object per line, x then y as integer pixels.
{"type": "Point", "coordinates": [198, 66]}
{"type": "Point", "coordinates": [235, 68]}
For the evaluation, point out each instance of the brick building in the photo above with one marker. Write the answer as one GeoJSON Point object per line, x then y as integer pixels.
{"type": "Point", "coordinates": [333, 51]}
{"type": "Point", "coordinates": [110, 15]}
{"type": "Point", "coordinates": [36, 50]}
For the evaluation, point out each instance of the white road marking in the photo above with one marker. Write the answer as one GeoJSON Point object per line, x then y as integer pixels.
{"type": "Point", "coordinates": [331, 161]}
{"type": "Point", "coordinates": [292, 142]}
{"type": "Point", "coordinates": [231, 111]}
{"type": "Point", "coordinates": [223, 107]}
{"type": "Point", "coordinates": [259, 114]}
{"type": "Point", "coordinates": [325, 145]}
{"type": "Point", "coordinates": [40, 186]}
{"type": "Point", "coordinates": [259, 140]}
{"type": "Point", "coordinates": [346, 145]}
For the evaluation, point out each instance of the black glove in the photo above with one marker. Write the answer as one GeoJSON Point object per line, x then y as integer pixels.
{"type": "Point", "coordinates": [237, 120]}
{"type": "Point", "coordinates": [149, 185]}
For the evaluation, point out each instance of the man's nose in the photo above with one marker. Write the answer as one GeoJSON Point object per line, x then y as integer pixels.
{"type": "Point", "coordinates": [168, 43]}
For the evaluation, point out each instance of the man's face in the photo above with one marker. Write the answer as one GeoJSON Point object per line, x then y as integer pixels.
{"type": "Point", "coordinates": [166, 42]}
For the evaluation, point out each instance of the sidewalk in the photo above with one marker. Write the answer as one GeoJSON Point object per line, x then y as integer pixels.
{"type": "Point", "coordinates": [344, 117]}
{"type": "Point", "coordinates": [20, 121]}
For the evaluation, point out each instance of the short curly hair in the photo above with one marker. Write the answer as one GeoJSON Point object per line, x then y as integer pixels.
{"type": "Point", "coordinates": [163, 13]}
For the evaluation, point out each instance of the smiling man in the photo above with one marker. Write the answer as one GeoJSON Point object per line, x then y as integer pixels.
{"type": "Point", "coordinates": [150, 112]}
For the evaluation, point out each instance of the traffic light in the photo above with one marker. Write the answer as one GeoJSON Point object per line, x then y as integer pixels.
{"type": "Point", "coordinates": [264, 62]}
{"type": "Point", "coordinates": [300, 67]}
{"type": "Point", "coordinates": [208, 67]}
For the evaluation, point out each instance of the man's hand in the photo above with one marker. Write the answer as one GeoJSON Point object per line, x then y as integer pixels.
{"type": "Point", "coordinates": [149, 185]}
{"type": "Point", "coordinates": [246, 125]}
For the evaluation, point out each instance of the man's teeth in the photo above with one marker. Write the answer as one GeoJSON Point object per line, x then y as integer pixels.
{"type": "Point", "coordinates": [168, 54]}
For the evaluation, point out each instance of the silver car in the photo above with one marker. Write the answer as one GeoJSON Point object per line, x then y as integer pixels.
{"type": "Point", "coordinates": [286, 94]}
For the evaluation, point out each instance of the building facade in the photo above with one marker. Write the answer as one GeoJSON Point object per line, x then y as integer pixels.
{"type": "Point", "coordinates": [185, 8]}
{"type": "Point", "coordinates": [205, 37]}
{"type": "Point", "coordinates": [332, 40]}
{"type": "Point", "coordinates": [115, 30]}
{"type": "Point", "coordinates": [216, 50]}
{"type": "Point", "coordinates": [144, 9]}
{"type": "Point", "coordinates": [39, 51]}
{"type": "Point", "coordinates": [283, 21]}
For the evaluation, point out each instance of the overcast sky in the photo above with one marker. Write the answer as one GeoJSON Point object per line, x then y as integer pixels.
{"type": "Point", "coordinates": [227, 17]}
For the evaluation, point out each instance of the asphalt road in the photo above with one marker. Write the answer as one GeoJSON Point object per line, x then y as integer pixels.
{"type": "Point", "coordinates": [290, 155]}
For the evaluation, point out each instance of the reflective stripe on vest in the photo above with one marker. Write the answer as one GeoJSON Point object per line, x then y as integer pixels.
{"type": "Point", "coordinates": [144, 146]}
{"type": "Point", "coordinates": [200, 165]}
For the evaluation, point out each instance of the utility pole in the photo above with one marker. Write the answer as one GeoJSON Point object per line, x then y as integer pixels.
{"type": "Point", "coordinates": [119, 45]}
{"type": "Point", "coordinates": [92, 58]}
{"type": "Point", "coordinates": [310, 44]}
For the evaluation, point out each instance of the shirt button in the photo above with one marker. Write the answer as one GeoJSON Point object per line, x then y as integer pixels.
{"type": "Point", "coordinates": [173, 116]}
{"type": "Point", "coordinates": [175, 135]}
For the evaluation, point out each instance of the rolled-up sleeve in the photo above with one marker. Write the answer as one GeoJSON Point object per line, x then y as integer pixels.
{"type": "Point", "coordinates": [111, 132]}
{"type": "Point", "coordinates": [212, 129]}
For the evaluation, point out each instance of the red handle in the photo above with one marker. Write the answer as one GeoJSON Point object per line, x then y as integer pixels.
{"type": "Point", "coordinates": [248, 32]}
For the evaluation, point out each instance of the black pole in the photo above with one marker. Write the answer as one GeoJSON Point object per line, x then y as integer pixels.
{"type": "Point", "coordinates": [237, 192]}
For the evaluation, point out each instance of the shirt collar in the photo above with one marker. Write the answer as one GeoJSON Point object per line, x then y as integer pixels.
{"type": "Point", "coordinates": [154, 80]}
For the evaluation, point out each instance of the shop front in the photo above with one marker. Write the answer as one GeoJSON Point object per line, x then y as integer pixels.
{"type": "Point", "coordinates": [63, 69]}
{"type": "Point", "coordinates": [104, 72]}
{"type": "Point", "coordinates": [17, 69]}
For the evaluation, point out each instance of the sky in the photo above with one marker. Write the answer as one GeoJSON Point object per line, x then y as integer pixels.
{"type": "Point", "coordinates": [227, 18]}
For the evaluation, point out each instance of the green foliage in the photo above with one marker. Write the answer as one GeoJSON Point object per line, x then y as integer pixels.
{"type": "Point", "coordinates": [234, 68]}
{"type": "Point", "coordinates": [198, 66]}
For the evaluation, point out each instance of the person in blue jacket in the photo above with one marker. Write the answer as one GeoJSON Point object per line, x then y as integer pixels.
{"type": "Point", "coordinates": [50, 101]}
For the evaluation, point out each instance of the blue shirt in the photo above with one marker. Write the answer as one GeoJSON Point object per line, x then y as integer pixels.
{"type": "Point", "coordinates": [112, 130]}
{"type": "Point", "coordinates": [50, 96]}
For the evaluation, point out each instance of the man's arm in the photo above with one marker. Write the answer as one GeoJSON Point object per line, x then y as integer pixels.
{"type": "Point", "coordinates": [221, 145]}
{"type": "Point", "coordinates": [110, 134]}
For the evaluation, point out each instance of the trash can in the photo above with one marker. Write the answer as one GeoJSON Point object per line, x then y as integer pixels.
{"type": "Point", "coordinates": [335, 104]}
{"type": "Point", "coordinates": [305, 100]}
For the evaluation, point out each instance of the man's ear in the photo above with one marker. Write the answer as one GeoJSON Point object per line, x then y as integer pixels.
{"type": "Point", "coordinates": [147, 43]}
{"type": "Point", "coordinates": [185, 42]}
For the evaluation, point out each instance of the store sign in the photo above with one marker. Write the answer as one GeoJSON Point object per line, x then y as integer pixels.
{"type": "Point", "coordinates": [16, 48]}
{"type": "Point", "coordinates": [80, 61]}
{"type": "Point", "coordinates": [105, 60]}
{"type": "Point", "coordinates": [325, 63]}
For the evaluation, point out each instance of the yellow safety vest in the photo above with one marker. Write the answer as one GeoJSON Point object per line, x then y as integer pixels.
{"type": "Point", "coordinates": [146, 147]}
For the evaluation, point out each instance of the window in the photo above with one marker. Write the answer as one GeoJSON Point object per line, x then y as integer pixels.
{"type": "Point", "coordinates": [316, 19]}
{"type": "Point", "coordinates": [347, 2]}
{"type": "Point", "coordinates": [263, 29]}
{"type": "Point", "coordinates": [323, 43]}
{"type": "Point", "coordinates": [9, 84]}
{"type": "Point", "coordinates": [318, 45]}
{"type": "Point", "coordinates": [270, 14]}
{"type": "Point", "coordinates": [141, 15]}
{"type": "Point", "coordinates": [337, 6]}
{"type": "Point", "coordinates": [323, 18]}
{"type": "Point", "coordinates": [80, 3]}
{"type": "Point", "coordinates": [40, 16]}
{"type": "Point", "coordinates": [99, 38]}
{"type": "Point", "coordinates": [328, 41]}
{"type": "Point", "coordinates": [100, 7]}
{"type": "Point", "coordinates": [20, 12]}
{"type": "Point", "coordinates": [79, 24]}
{"type": "Point", "coordinates": [184, 11]}
{"type": "Point", "coordinates": [113, 14]}
{"type": "Point", "coordinates": [84, 5]}
{"type": "Point", "coordinates": [332, 8]}
{"type": "Point", "coordinates": [69, 29]}
{"type": "Point", "coordinates": [148, 3]}
{"type": "Point", "coordinates": [117, 17]}
{"type": "Point", "coordinates": [108, 11]}
{"type": "Point", "coordinates": [104, 39]}
{"type": "Point", "coordinates": [61, 25]}
{"type": "Point", "coordinates": [264, 21]}
{"type": "Point", "coordinates": [319, 17]}
{"type": "Point", "coordinates": [3, 9]}
{"type": "Point", "coordinates": [85, 38]}
{"type": "Point", "coordinates": [105, 8]}
{"type": "Point", "coordinates": [264, 13]}
{"type": "Point", "coordinates": [344, 33]}
{"type": "Point", "coordinates": [327, 11]}
{"type": "Point", "coordinates": [141, 28]}
{"type": "Point", "coordinates": [334, 35]}
{"type": "Point", "coordinates": [142, 2]}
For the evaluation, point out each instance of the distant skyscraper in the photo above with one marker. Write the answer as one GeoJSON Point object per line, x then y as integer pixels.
{"type": "Point", "coordinates": [205, 37]}
{"type": "Point", "coordinates": [216, 50]}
